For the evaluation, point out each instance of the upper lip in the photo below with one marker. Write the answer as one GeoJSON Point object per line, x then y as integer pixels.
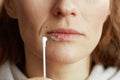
{"type": "Point", "coordinates": [65, 31]}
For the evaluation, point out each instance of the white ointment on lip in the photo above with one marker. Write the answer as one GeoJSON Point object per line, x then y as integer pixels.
{"type": "Point", "coordinates": [44, 40]}
{"type": "Point", "coordinates": [54, 38]}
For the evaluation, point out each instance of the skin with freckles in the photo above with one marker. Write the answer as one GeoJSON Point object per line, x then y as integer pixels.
{"type": "Point", "coordinates": [65, 20]}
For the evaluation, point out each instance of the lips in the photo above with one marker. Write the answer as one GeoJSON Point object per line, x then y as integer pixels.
{"type": "Point", "coordinates": [64, 34]}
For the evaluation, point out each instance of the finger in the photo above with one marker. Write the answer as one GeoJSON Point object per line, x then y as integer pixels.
{"type": "Point", "coordinates": [116, 76]}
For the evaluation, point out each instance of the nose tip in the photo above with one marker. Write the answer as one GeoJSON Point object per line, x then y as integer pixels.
{"type": "Point", "coordinates": [64, 9]}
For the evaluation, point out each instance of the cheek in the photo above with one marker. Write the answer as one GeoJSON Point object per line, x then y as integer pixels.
{"type": "Point", "coordinates": [32, 16]}
{"type": "Point", "coordinates": [98, 19]}
{"type": "Point", "coordinates": [95, 11]}
{"type": "Point", "coordinates": [32, 13]}
{"type": "Point", "coordinates": [95, 16]}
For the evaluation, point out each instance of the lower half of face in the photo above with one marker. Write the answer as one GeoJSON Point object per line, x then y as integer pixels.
{"type": "Point", "coordinates": [71, 37]}
{"type": "Point", "coordinates": [61, 47]}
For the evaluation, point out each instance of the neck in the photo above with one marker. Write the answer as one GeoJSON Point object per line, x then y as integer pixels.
{"type": "Point", "coordinates": [76, 71]}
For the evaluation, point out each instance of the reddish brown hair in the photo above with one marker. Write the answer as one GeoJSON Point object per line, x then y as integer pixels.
{"type": "Point", "coordinates": [107, 52]}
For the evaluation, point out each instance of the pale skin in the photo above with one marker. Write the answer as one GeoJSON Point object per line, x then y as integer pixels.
{"type": "Point", "coordinates": [66, 60]}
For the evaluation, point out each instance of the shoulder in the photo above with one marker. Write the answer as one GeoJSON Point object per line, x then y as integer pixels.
{"type": "Point", "coordinates": [10, 71]}
{"type": "Point", "coordinates": [5, 72]}
{"type": "Point", "coordinates": [99, 72]}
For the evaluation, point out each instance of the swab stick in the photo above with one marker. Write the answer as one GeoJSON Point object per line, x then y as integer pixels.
{"type": "Point", "coordinates": [44, 40]}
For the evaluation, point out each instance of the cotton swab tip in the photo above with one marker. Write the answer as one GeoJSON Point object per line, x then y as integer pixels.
{"type": "Point", "coordinates": [44, 40]}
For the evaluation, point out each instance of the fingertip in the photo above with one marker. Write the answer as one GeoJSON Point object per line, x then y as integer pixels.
{"type": "Point", "coordinates": [49, 79]}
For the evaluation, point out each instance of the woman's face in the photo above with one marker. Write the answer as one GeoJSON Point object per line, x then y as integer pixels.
{"type": "Point", "coordinates": [73, 27]}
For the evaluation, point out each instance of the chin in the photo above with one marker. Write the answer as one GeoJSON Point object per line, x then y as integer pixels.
{"type": "Point", "coordinates": [62, 57]}
{"type": "Point", "coordinates": [65, 53]}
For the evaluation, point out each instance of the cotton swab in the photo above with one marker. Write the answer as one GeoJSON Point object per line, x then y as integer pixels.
{"type": "Point", "coordinates": [44, 40]}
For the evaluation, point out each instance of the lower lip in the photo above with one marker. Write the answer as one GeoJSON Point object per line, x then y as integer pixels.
{"type": "Point", "coordinates": [63, 37]}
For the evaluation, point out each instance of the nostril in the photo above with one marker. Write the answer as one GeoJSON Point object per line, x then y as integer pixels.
{"type": "Point", "coordinates": [65, 13]}
{"type": "Point", "coordinates": [73, 14]}
{"type": "Point", "coordinates": [64, 10]}
{"type": "Point", "coordinates": [58, 13]}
